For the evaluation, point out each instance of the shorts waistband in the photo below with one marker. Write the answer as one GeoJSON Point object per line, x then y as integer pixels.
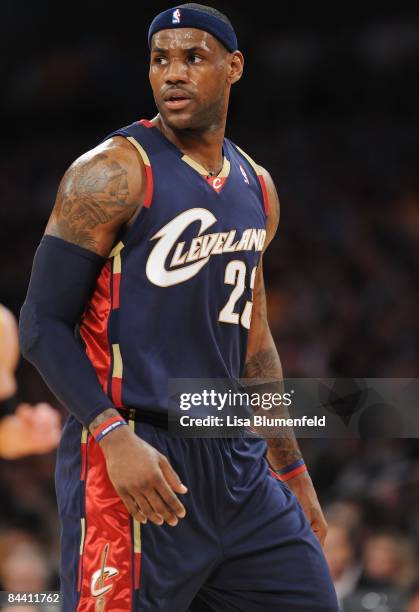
{"type": "Point", "coordinates": [145, 415]}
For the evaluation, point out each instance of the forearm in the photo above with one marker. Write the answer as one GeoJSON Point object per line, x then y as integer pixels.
{"type": "Point", "coordinates": [263, 363]}
{"type": "Point", "coordinates": [62, 362]}
{"type": "Point", "coordinates": [54, 305]}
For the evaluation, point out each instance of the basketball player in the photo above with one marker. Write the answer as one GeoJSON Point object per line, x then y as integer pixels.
{"type": "Point", "coordinates": [24, 429]}
{"type": "Point", "coordinates": [153, 250]}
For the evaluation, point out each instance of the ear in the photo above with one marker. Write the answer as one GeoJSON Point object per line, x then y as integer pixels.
{"type": "Point", "coordinates": [235, 68]}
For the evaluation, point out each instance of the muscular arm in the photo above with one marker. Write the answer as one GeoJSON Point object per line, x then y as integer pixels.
{"type": "Point", "coordinates": [98, 194]}
{"type": "Point", "coordinates": [263, 362]}
{"type": "Point", "coordinates": [101, 191]}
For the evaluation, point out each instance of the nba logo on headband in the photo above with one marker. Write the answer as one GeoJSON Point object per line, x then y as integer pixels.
{"type": "Point", "coordinates": [176, 16]}
{"type": "Point", "coordinates": [179, 16]}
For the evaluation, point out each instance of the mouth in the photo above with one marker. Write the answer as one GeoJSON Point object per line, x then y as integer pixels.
{"type": "Point", "coordinates": [175, 100]}
{"type": "Point", "coordinates": [176, 103]}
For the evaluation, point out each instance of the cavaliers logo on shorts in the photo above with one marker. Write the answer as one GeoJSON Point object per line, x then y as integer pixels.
{"type": "Point", "coordinates": [100, 584]}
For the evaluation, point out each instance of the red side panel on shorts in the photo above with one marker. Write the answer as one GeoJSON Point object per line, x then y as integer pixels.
{"type": "Point", "coordinates": [137, 568]}
{"type": "Point", "coordinates": [106, 582]}
{"type": "Point", "coordinates": [116, 391]}
{"type": "Point", "coordinates": [116, 286]}
{"type": "Point", "coordinates": [94, 326]}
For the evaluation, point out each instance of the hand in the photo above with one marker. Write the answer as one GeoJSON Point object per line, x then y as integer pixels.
{"type": "Point", "coordinates": [143, 478]}
{"type": "Point", "coordinates": [31, 430]}
{"type": "Point", "coordinates": [304, 490]}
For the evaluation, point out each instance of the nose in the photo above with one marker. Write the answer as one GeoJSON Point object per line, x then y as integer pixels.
{"type": "Point", "coordinates": [176, 71]}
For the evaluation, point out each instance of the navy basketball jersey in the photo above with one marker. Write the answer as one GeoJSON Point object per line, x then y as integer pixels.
{"type": "Point", "coordinates": [174, 299]}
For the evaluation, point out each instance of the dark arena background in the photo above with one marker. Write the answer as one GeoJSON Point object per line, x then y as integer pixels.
{"type": "Point", "coordinates": [329, 104]}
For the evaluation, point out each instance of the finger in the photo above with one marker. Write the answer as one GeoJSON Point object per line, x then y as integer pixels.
{"type": "Point", "coordinates": [24, 411]}
{"type": "Point", "coordinates": [161, 508]}
{"type": "Point", "coordinates": [45, 407]}
{"type": "Point", "coordinates": [170, 518]}
{"type": "Point", "coordinates": [168, 515]}
{"type": "Point", "coordinates": [148, 510]}
{"type": "Point", "coordinates": [171, 501]}
{"type": "Point", "coordinates": [24, 406]}
{"type": "Point", "coordinates": [141, 517]}
{"type": "Point", "coordinates": [320, 531]}
{"type": "Point", "coordinates": [171, 476]}
{"type": "Point", "coordinates": [322, 537]}
{"type": "Point", "coordinates": [44, 413]}
{"type": "Point", "coordinates": [133, 508]}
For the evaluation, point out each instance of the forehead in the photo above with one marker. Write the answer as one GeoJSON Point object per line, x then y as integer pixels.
{"type": "Point", "coordinates": [174, 39]}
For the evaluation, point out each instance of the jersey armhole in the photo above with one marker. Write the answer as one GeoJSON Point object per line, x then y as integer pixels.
{"type": "Point", "coordinates": [149, 173]}
{"type": "Point", "coordinates": [260, 177]}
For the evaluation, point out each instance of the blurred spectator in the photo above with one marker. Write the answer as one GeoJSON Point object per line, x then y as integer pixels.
{"type": "Point", "coordinates": [29, 429]}
{"type": "Point", "coordinates": [25, 568]}
{"type": "Point", "coordinates": [341, 556]}
{"type": "Point", "coordinates": [412, 604]}
{"type": "Point", "coordinates": [389, 560]}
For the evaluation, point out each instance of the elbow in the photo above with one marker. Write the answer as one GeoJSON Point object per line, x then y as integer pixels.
{"type": "Point", "coordinates": [29, 329]}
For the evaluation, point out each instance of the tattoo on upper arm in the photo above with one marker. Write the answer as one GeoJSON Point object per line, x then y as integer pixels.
{"type": "Point", "coordinates": [91, 194]}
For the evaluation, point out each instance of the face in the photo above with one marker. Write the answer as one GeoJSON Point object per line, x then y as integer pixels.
{"type": "Point", "coordinates": [380, 557]}
{"type": "Point", "coordinates": [191, 74]}
{"type": "Point", "coordinates": [338, 550]}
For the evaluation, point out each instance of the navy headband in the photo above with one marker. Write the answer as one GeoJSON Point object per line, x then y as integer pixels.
{"type": "Point", "coordinates": [179, 17]}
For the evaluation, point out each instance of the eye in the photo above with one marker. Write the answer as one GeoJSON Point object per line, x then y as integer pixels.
{"type": "Point", "coordinates": [194, 58]}
{"type": "Point", "coordinates": [159, 59]}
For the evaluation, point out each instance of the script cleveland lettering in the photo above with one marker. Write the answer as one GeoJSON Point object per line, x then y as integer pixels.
{"type": "Point", "coordinates": [201, 248]}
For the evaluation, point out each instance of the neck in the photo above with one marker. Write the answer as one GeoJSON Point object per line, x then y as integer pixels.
{"type": "Point", "coordinates": [204, 146]}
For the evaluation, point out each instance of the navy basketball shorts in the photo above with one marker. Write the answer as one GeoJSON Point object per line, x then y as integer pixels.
{"type": "Point", "coordinates": [244, 545]}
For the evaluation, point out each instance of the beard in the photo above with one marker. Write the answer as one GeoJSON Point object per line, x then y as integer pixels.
{"type": "Point", "coordinates": [208, 117]}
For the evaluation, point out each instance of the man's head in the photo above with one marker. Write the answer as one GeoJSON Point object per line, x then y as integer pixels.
{"type": "Point", "coordinates": [194, 62]}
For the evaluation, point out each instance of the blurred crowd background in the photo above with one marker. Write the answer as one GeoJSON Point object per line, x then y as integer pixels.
{"type": "Point", "coordinates": [329, 104]}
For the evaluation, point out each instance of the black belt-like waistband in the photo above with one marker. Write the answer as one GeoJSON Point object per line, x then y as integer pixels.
{"type": "Point", "coordinates": [144, 415]}
{"type": "Point", "coordinates": [161, 420]}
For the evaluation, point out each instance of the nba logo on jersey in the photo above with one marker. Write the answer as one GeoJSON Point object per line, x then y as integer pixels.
{"type": "Point", "coordinates": [243, 171]}
{"type": "Point", "coordinates": [176, 16]}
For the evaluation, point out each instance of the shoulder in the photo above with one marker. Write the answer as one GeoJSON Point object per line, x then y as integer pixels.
{"type": "Point", "coordinates": [246, 156]}
{"type": "Point", "coordinates": [100, 192]}
{"type": "Point", "coordinates": [112, 161]}
{"type": "Point", "coordinates": [261, 172]}
{"type": "Point", "coordinates": [271, 194]}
